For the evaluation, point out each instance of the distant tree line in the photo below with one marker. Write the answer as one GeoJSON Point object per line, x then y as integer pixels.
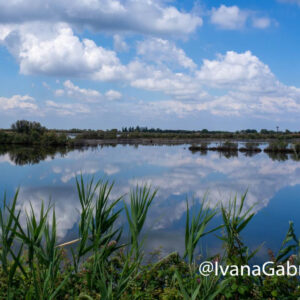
{"type": "Point", "coordinates": [159, 130]}
{"type": "Point", "coordinates": [27, 132]}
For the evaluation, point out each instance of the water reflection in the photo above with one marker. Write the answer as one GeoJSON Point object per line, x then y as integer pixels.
{"type": "Point", "coordinates": [177, 173]}
{"type": "Point", "coordinates": [23, 155]}
{"type": "Point", "coordinates": [278, 156]}
{"type": "Point", "coordinates": [31, 155]}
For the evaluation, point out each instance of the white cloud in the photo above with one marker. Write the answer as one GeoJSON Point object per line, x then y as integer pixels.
{"type": "Point", "coordinates": [16, 102]}
{"type": "Point", "coordinates": [67, 109]}
{"type": "Point", "coordinates": [229, 17]}
{"type": "Point", "coordinates": [104, 15]}
{"type": "Point", "coordinates": [113, 95]}
{"type": "Point", "coordinates": [57, 51]}
{"type": "Point", "coordinates": [247, 85]}
{"type": "Point", "coordinates": [164, 51]}
{"type": "Point", "coordinates": [74, 92]}
{"type": "Point", "coordinates": [161, 78]}
{"type": "Point", "coordinates": [234, 18]}
{"type": "Point", "coordinates": [253, 88]}
{"type": "Point", "coordinates": [243, 71]}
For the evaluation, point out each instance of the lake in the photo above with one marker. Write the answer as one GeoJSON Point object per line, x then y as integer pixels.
{"type": "Point", "coordinates": [273, 185]}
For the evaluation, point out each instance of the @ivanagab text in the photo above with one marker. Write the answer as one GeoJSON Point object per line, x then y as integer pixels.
{"type": "Point", "coordinates": [269, 268]}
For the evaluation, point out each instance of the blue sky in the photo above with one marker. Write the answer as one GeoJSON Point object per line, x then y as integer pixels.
{"type": "Point", "coordinates": [171, 64]}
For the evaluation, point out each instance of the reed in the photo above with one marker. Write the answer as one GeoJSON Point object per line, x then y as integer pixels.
{"type": "Point", "coordinates": [235, 220]}
{"type": "Point", "coordinates": [140, 201]}
{"type": "Point", "coordinates": [195, 228]}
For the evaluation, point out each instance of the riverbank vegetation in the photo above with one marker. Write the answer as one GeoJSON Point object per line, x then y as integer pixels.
{"type": "Point", "coordinates": [152, 133]}
{"type": "Point", "coordinates": [100, 265]}
{"type": "Point", "coordinates": [274, 148]}
{"type": "Point", "coordinates": [32, 133]}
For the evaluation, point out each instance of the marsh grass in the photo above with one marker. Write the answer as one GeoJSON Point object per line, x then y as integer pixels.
{"type": "Point", "coordinates": [279, 146]}
{"type": "Point", "coordinates": [235, 219]}
{"type": "Point", "coordinates": [140, 200]}
{"type": "Point", "coordinates": [195, 227]}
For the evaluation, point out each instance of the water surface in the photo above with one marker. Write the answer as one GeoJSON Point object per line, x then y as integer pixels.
{"type": "Point", "coordinates": [273, 186]}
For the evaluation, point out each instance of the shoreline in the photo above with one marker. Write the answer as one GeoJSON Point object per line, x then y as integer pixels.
{"type": "Point", "coordinates": [166, 141]}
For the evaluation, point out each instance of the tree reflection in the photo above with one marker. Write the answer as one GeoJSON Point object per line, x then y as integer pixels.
{"type": "Point", "coordinates": [32, 155]}
{"type": "Point", "coordinates": [279, 156]}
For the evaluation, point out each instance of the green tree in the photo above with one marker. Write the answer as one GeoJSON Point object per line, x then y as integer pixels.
{"type": "Point", "coordinates": [27, 127]}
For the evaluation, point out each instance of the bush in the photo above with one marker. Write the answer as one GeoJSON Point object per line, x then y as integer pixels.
{"type": "Point", "coordinates": [228, 146]}
{"type": "Point", "coordinates": [278, 146]}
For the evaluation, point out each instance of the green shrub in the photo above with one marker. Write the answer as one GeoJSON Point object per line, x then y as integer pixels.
{"type": "Point", "coordinates": [277, 146]}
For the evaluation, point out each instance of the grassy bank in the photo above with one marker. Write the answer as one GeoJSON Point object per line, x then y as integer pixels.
{"type": "Point", "coordinates": [136, 133]}
{"type": "Point", "coordinates": [99, 266]}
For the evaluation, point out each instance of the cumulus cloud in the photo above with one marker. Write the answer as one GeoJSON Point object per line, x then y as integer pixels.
{"type": "Point", "coordinates": [247, 87]}
{"type": "Point", "coordinates": [57, 51]}
{"type": "Point", "coordinates": [73, 91]}
{"type": "Point", "coordinates": [229, 17]}
{"type": "Point", "coordinates": [16, 102]}
{"type": "Point", "coordinates": [252, 87]}
{"type": "Point", "coordinates": [237, 71]}
{"type": "Point", "coordinates": [104, 15]}
{"type": "Point", "coordinates": [150, 78]}
{"type": "Point", "coordinates": [113, 95]}
{"type": "Point", "coordinates": [164, 51]}
{"type": "Point", "coordinates": [247, 84]}
{"type": "Point", "coordinates": [233, 18]}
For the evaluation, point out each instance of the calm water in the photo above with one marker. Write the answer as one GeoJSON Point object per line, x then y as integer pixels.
{"type": "Point", "coordinates": [274, 185]}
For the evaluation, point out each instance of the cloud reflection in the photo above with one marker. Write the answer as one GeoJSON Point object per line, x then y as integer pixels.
{"type": "Point", "coordinates": [175, 171]}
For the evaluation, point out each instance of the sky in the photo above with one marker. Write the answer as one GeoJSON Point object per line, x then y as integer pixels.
{"type": "Point", "coordinates": [100, 64]}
